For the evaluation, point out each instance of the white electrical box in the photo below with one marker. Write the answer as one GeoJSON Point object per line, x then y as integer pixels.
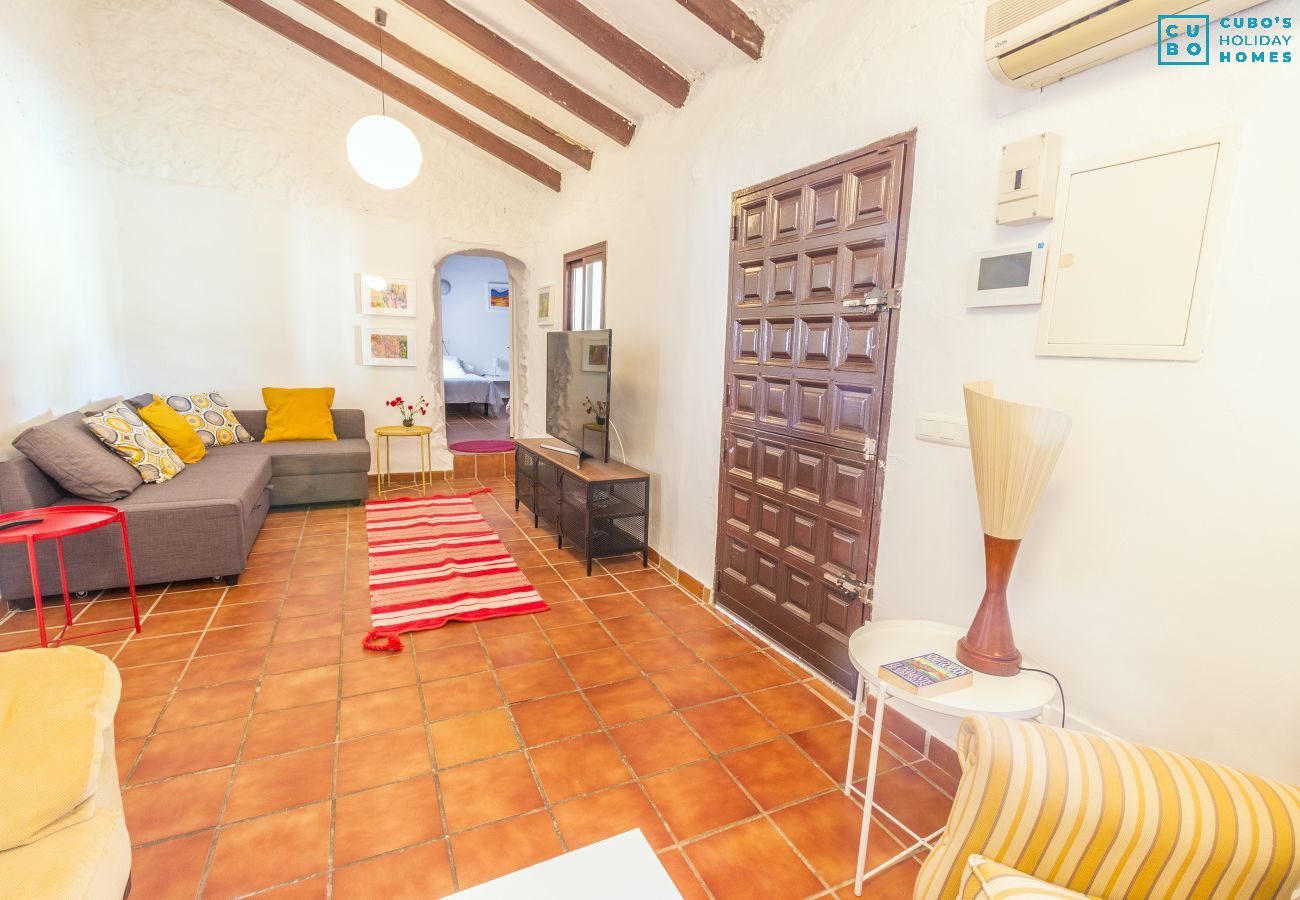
{"type": "Point", "coordinates": [1134, 250]}
{"type": "Point", "coordinates": [1027, 179]}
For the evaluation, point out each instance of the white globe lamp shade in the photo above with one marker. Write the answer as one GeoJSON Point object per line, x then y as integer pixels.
{"type": "Point", "coordinates": [384, 152]}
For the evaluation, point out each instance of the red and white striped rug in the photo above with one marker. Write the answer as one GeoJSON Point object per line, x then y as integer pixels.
{"type": "Point", "coordinates": [435, 560]}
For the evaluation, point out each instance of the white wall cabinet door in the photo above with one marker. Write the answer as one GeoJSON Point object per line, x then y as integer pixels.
{"type": "Point", "coordinates": [1133, 257]}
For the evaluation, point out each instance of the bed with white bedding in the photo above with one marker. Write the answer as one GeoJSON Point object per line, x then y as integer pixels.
{"type": "Point", "coordinates": [460, 386]}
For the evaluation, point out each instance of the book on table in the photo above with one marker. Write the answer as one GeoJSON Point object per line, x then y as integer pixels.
{"type": "Point", "coordinates": [927, 676]}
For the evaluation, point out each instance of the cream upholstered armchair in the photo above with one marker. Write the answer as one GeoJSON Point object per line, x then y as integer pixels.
{"type": "Point", "coordinates": [62, 828]}
{"type": "Point", "coordinates": [1046, 812]}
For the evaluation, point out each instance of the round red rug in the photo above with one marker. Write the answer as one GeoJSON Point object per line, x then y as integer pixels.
{"type": "Point", "coordinates": [483, 446]}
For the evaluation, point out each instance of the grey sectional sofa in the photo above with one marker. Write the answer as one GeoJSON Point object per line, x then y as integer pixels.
{"type": "Point", "coordinates": [201, 523]}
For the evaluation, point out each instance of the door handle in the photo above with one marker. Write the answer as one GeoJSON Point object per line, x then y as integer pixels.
{"type": "Point", "coordinates": [848, 584]}
{"type": "Point", "coordinates": [874, 301]}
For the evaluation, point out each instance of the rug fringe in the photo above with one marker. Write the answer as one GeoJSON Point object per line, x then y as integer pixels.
{"type": "Point", "coordinates": [482, 490]}
{"type": "Point", "coordinates": [391, 643]}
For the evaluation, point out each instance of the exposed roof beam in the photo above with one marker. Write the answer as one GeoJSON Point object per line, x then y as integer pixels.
{"type": "Point", "coordinates": [479, 37]}
{"type": "Point", "coordinates": [730, 21]}
{"type": "Point", "coordinates": [403, 92]}
{"type": "Point", "coordinates": [642, 65]}
{"type": "Point", "coordinates": [462, 87]}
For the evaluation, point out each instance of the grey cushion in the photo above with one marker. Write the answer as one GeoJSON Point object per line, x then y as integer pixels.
{"type": "Point", "coordinates": [305, 457]}
{"type": "Point", "coordinates": [139, 401]}
{"type": "Point", "coordinates": [67, 451]}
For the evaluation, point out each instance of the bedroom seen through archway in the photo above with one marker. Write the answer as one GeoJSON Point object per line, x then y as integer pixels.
{"type": "Point", "coordinates": [476, 347]}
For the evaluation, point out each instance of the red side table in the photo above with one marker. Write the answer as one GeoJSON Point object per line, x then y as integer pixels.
{"type": "Point", "coordinates": [55, 523]}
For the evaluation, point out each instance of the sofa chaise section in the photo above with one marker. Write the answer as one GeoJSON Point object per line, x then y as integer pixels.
{"type": "Point", "coordinates": [313, 471]}
{"type": "Point", "coordinates": [201, 523]}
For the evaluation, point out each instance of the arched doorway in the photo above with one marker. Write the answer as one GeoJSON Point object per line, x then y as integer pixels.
{"type": "Point", "coordinates": [478, 329]}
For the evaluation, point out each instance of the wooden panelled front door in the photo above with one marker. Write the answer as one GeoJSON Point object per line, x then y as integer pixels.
{"type": "Point", "coordinates": [816, 260]}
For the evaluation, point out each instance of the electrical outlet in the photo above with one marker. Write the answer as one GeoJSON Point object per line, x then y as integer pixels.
{"type": "Point", "coordinates": [937, 429]}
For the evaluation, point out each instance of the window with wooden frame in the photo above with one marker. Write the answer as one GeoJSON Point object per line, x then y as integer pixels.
{"type": "Point", "coordinates": [584, 288]}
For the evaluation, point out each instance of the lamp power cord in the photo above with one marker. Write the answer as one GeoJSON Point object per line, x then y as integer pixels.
{"type": "Point", "coordinates": [1059, 690]}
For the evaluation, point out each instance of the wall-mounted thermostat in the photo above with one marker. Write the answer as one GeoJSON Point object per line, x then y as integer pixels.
{"type": "Point", "coordinates": [1009, 276]}
{"type": "Point", "coordinates": [1027, 180]}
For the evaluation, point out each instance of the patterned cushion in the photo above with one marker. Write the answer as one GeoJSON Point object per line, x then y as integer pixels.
{"type": "Point", "coordinates": [211, 417]}
{"type": "Point", "coordinates": [989, 880]}
{"type": "Point", "coordinates": [122, 429]}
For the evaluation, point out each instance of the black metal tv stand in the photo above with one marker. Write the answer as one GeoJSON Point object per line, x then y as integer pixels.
{"type": "Point", "coordinates": [601, 508]}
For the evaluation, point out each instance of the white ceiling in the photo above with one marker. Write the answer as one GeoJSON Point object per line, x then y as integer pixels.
{"type": "Point", "coordinates": [663, 27]}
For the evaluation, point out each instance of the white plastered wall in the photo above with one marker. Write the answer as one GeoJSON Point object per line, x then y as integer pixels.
{"type": "Point", "coordinates": [1159, 578]}
{"type": "Point", "coordinates": [210, 226]}
{"type": "Point", "coordinates": [212, 236]}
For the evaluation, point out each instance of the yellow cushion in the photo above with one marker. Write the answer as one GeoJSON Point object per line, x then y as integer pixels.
{"type": "Point", "coordinates": [54, 707]}
{"type": "Point", "coordinates": [298, 414]}
{"type": "Point", "coordinates": [173, 429]}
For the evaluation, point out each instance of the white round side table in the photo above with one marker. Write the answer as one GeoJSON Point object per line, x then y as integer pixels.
{"type": "Point", "coordinates": [1021, 696]}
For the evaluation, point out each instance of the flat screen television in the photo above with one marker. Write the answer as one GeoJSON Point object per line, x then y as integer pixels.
{"type": "Point", "coordinates": [577, 391]}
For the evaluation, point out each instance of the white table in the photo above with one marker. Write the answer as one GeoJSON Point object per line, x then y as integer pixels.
{"type": "Point", "coordinates": [1020, 696]}
{"type": "Point", "coordinates": [623, 866]}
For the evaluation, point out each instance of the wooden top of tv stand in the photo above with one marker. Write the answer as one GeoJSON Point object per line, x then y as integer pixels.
{"type": "Point", "coordinates": [591, 469]}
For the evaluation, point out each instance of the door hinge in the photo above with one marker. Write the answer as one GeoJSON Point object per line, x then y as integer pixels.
{"type": "Point", "coordinates": [735, 227]}
{"type": "Point", "coordinates": [848, 584]}
{"type": "Point", "coordinates": [875, 300]}
{"type": "Point", "coordinates": [726, 399]}
{"type": "Point", "coordinates": [869, 449]}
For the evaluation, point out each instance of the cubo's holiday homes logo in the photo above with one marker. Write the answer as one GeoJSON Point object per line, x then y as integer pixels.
{"type": "Point", "coordinates": [1232, 40]}
{"type": "Point", "coordinates": [1183, 40]}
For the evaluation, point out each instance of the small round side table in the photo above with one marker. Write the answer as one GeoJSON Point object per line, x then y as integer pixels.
{"type": "Point", "coordinates": [55, 523]}
{"type": "Point", "coordinates": [424, 477]}
{"type": "Point", "coordinates": [1021, 696]}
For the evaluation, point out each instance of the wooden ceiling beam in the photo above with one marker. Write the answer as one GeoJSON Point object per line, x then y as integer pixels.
{"type": "Point", "coordinates": [504, 112]}
{"type": "Point", "coordinates": [403, 92]}
{"type": "Point", "coordinates": [730, 21]}
{"type": "Point", "coordinates": [477, 36]}
{"type": "Point", "coordinates": [647, 69]}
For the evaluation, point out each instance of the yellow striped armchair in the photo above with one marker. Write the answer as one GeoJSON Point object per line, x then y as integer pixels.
{"type": "Point", "coordinates": [1047, 812]}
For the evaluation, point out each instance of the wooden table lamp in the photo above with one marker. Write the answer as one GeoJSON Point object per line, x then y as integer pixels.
{"type": "Point", "coordinates": [1014, 449]}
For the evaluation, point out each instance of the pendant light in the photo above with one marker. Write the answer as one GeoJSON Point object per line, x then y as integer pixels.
{"type": "Point", "coordinates": [382, 150]}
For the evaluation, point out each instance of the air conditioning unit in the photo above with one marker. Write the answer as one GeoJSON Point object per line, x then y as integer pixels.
{"type": "Point", "coordinates": [1030, 43]}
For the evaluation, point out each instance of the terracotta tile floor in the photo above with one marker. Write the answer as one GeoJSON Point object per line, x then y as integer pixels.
{"type": "Point", "coordinates": [466, 422]}
{"type": "Point", "coordinates": [264, 752]}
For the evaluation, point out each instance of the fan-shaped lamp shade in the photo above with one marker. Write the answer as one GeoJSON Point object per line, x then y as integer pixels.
{"type": "Point", "coordinates": [384, 152]}
{"type": "Point", "coordinates": [1014, 448]}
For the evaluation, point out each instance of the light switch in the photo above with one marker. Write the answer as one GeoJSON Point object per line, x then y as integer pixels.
{"type": "Point", "coordinates": [938, 429]}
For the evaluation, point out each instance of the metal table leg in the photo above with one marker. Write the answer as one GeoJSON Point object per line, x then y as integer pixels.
{"type": "Point", "coordinates": [869, 795]}
{"type": "Point", "coordinates": [63, 582]}
{"type": "Point", "coordinates": [130, 574]}
{"type": "Point", "coordinates": [853, 738]}
{"type": "Point", "coordinates": [36, 590]}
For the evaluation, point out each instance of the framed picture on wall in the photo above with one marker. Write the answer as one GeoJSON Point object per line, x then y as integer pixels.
{"type": "Point", "coordinates": [387, 346]}
{"type": "Point", "coordinates": [595, 354]}
{"type": "Point", "coordinates": [545, 312]}
{"type": "Point", "coordinates": [379, 295]}
{"type": "Point", "coordinates": [498, 294]}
